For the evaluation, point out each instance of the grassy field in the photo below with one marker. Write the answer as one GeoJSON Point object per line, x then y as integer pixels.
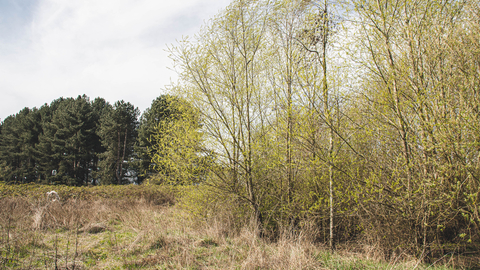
{"type": "Point", "coordinates": [139, 227]}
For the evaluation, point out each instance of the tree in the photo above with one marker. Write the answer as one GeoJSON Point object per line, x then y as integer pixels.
{"type": "Point", "coordinates": [118, 131]}
{"type": "Point", "coordinates": [318, 38]}
{"type": "Point", "coordinates": [17, 146]}
{"type": "Point", "coordinates": [162, 109]}
{"type": "Point", "coordinates": [68, 141]}
{"type": "Point", "coordinates": [306, 101]}
{"type": "Point", "coordinates": [222, 78]}
{"type": "Point", "coordinates": [175, 142]}
{"type": "Point", "coordinates": [415, 103]}
{"type": "Point", "coordinates": [99, 107]}
{"type": "Point", "coordinates": [285, 64]}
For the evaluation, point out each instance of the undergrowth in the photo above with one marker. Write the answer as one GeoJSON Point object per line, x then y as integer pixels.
{"type": "Point", "coordinates": [141, 227]}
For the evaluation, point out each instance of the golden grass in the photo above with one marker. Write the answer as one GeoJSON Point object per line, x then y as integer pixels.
{"type": "Point", "coordinates": [99, 228]}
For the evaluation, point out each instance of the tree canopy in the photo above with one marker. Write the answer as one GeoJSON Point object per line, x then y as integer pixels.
{"type": "Point", "coordinates": [360, 117]}
{"type": "Point", "coordinates": [71, 141]}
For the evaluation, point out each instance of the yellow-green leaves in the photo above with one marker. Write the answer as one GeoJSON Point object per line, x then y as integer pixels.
{"type": "Point", "coordinates": [177, 145]}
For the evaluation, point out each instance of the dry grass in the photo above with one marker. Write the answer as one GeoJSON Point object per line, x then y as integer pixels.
{"type": "Point", "coordinates": [109, 232]}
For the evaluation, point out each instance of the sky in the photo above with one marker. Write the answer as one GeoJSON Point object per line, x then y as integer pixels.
{"type": "Point", "coordinates": [114, 49]}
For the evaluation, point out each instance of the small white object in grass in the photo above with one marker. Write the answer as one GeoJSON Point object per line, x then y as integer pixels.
{"type": "Point", "coordinates": [53, 195]}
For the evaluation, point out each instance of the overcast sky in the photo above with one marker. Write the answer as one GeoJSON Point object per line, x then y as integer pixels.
{"type": "Point", "coordinates": [113, 49]}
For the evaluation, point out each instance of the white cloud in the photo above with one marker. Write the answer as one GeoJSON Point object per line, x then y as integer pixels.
{"type": "Point", "coordinates": [110, 48]}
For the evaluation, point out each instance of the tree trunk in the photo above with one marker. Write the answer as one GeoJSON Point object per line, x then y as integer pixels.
{"type": "Point", "coordinates": [120, 161]}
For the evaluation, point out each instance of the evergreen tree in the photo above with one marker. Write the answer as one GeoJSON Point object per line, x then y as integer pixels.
{"type": "Point", "coordinates": [99, 106]}
{"type": "Point", "coordinates": [48, 163]}
{"type": "Point", "coordinates": [118, 133]}
{"type": "Point", "coordinates": [17, 146]}
{"type": "Point", "coordinates": [68, 142]}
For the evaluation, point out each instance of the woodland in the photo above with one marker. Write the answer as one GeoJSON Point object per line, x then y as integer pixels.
{"type": "Point", "coordinates": [353, 121]}
{"type": "Point", "coordinates": [75, 142]}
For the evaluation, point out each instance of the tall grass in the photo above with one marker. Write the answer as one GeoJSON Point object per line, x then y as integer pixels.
{"type": "Point", "coordinates": [141, 227]}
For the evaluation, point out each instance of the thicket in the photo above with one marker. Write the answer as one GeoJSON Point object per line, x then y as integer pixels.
{"type": "Point", "coordinates": [357, 118]}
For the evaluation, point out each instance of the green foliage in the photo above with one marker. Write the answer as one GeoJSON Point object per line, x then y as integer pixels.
{"type": "Point", "coordinates": [67, 143]}
{"type": "Point", "coordinates": [176, 144]}
{"type": "Point", "coordinates": [163, 109]}
{"type": "Point", "coordinates": [18, 138]}
{"type": "Point", "coordinates": [361, 119]}
{"type": "Point", "coordinates": [205, 204]}
{"type": "Point", "coordinates": [118, 131]}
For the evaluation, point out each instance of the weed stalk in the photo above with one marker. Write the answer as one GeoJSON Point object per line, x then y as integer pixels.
{"type": "Point", "coordinates": [56, 251]}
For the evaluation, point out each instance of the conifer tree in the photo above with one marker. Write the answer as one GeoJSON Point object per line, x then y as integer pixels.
{"type": "Point", "coordinates": [68, 141]}
{"type": "Point", "coordinates": [118, 131]}
{"type": "Point", "coordinates": [44, 151]}
{"type": "Point", "coordinates": [17, 146]}
{"type": "Point", "coordinates": [99, 107]}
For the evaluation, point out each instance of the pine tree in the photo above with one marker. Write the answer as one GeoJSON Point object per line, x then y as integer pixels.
{"type": "Point", "coordinates": [99, 107]}
{"type": "Point", "coordinates": [118, 132]}
{"type": "Point", "coordinates": [17, 146]}
{"type": "Point", "coordinates": [67, 144]}
{"type": "Point", "coordinates": [44, 151]}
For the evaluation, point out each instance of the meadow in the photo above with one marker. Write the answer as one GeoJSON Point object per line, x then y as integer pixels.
{"type": "Point", "coordinates": [149, 227]}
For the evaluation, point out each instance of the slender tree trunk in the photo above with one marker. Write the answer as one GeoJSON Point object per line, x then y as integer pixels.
{"type": "Point", "coordinates": [396, 100]}
{"type": "Point", "coordinates": [118, 159]}
{"type": "Point", "coordinates": [75, 167]}
{"type": "Point", "coordinates": [328, 117]}
{"type": "Point", "coordinates": [120, 172]}
{"type": "Point", "coordinates": [330, 178]}
{"type": "Point", "coordinates": [289, 132]}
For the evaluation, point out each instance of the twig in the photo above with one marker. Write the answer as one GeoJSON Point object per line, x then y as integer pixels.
{"type": "Point", "coordinates": [33, 253]}
{"type": "Point", "coordinates": [441, 258]}
{"type": "Point", "coordinates": [76, 247]}
{"type": "Point", "coordinates": [45, 258]}
{"type": "Point", "coordinates": [66, 252]}
{"type": "Point", "coordinates": [56, 251]}
{"type": "Point", "coordinates": [7, 251]}
{"type": "Point", "coordinates": [420, 259]}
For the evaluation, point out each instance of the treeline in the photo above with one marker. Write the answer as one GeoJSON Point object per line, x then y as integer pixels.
{"type": "Point", "coordinates": [76, 141]}
{"type": "Point", "coordinates": [358, 120]}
